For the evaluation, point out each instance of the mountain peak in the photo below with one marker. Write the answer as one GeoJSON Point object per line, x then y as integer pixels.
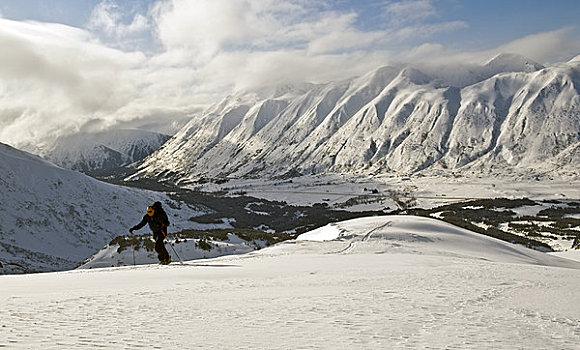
{"type": "Point", "coordinates": [509, 62]}
{"type": "Point", "coordinates": [415, 76]}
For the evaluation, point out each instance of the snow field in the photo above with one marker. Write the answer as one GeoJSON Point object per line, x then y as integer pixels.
{"type": "Point", "coordinates": [428, 191]}
{"type": "Point", "coordinates": [384, 282]}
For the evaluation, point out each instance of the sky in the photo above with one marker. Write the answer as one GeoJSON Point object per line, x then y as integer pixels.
{"type": "Point", "coordinates": [84, 65]}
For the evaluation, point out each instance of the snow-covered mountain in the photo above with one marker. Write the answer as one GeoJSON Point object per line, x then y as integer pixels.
{"type": "Point", "coordinates": [509, 115]}
{"type": "Point", "coordinates": [385, 282]}
{"type": "Point", "coordinates": [53, 219]}
{"type": "Point", "coordinates": [103, 152]}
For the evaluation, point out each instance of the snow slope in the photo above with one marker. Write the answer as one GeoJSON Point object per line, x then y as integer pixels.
{"type": "Point", "coordinates": [509, 116]}
{"type": "Point", "coordinates": [53, 219]}
{"type": "Point", "coordinates": [405, 233]}
{"type": "Point", "coordinates": [383, 283]}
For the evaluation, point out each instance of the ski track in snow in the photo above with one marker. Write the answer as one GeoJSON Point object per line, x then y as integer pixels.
{"type": "Point", "coordinates": [379, 293]}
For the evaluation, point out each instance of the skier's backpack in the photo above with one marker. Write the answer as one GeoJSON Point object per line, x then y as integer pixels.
{"type": "Point", "coordinates": [159, 209]}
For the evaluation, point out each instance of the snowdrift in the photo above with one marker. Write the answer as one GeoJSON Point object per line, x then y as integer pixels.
{"type": "Point", "coordinates": [405, 234]}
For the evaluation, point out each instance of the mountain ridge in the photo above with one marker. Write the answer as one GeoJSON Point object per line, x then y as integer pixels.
{"type": "Point", "coordinates": [103, 152]}
{"type": "Point", "coordinates": [522, 119]}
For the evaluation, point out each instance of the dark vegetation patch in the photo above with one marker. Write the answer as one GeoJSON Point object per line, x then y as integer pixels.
{"type": "Point", "coordinates": [203, 238]}
{"type": "Point", "coordinates": [496, 214]}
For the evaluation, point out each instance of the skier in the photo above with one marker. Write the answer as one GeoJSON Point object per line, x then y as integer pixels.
{"type": "Point", "coordinates": [158, 222]}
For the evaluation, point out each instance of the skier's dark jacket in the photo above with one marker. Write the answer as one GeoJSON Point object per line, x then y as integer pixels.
{"type": "Point", "coordinates": [157, 222]}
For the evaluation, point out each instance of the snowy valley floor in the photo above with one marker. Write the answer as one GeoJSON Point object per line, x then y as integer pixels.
{"type": "Point", "coordinates": [386, 282]}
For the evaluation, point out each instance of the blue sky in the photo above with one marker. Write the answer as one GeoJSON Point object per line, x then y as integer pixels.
{"type": "Point", "coordinates": [494, 22]}
{"type": "Point", "coordinates": [69, 65]}
{"type": "Point", "coordinates": [488, 23]}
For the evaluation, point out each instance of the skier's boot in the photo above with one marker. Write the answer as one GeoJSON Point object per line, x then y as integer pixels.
{"type": "Point", "coordinates": [166, 261]}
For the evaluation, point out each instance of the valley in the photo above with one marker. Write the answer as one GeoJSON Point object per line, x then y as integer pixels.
{"type": "Point", "coordinates": [240, 215]}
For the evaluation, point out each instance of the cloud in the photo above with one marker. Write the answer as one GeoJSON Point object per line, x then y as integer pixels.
{"type": "Point", "coordinates": [203, 27]}
{"type": "Point", "coordinates": [224, 45]}
{"type": "Point", "coordinates": [412, 21]}
{"type": "Point", "coordinates": [126, 31]}
{"type": "Point", "coordinates": [285, 34]}
{"type": "Point", "coordinates": [548, 47]}
{"type": "Point", "coordinates": [56, 79]}
{"type": "Point", "coordinates": [425, 31]}
{"type": "Point", "coordinates": [105, 17]}
{"type": "Point", "coordinates": [337, 33]}
{"type": "Point", "coordinates": [53, 78]}
{"type": "Point", "coordinates": [409, 11]}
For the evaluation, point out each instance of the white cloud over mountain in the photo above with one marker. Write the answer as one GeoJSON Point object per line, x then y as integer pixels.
{"type": "Point", "coordinates": [107, 16]}
{"type": "Point", "coordinates": [151, 69]}
{"type": "Point", "coordinates": [55, 78]}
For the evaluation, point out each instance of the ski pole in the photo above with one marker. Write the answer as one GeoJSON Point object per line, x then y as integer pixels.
{"type": "Point", "coordinates": [177, 255]}
{"type": "Point", "coordinates": [133, 245]}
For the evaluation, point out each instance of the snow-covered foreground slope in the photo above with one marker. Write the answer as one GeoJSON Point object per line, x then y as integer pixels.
{"type": "Point", "coordinates": [52, 219]}
{"type": "Point", "coordinates": [383, 282]}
